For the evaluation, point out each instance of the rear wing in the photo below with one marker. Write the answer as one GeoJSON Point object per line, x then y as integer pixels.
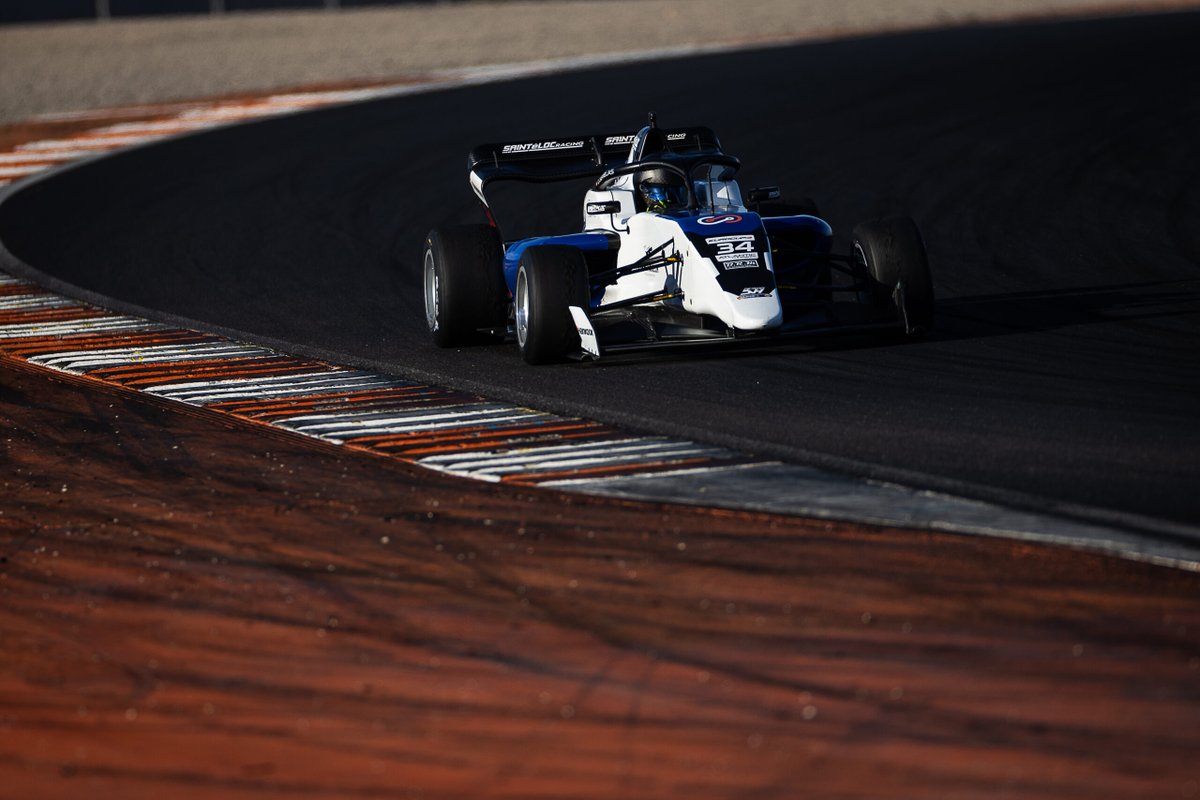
{"type": "Point", "coordinates": [570, 157]}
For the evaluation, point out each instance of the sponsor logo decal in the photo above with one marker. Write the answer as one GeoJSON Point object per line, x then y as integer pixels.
{"type": "Point", "coordinates": [605, 207]}
{"type": "Point", "coordinates": [587, 334]}
{"type": "Point", "coordinates": [612, 141]}
{"type": "Point", "coordinates": [723, 219]}
{"type": "Point", "coordinates": [540, 147]}
{"type": "Point", "coordinates": [732, 244]}
{"type": "Point", "coordinates": [739, 261]}
{"type": "Point", "coordinates": [753, 291]}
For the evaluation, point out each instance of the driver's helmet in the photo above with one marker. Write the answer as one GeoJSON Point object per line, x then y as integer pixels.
{"type": "Point", "coordinates": [662, 190]}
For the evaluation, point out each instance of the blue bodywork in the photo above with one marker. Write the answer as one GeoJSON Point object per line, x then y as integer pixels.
{"type": "Point", "coordinates": [803, 223]}
{"type": "Point", "coordinates": [733, 222]}
{"type": "Point", "coordinates": [586, 242]}
{"type": "Point", "coordinates": [748, 222]}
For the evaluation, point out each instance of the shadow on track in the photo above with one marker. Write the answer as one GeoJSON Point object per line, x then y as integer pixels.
{"type": "Point", "coordinates": [1023, 312]}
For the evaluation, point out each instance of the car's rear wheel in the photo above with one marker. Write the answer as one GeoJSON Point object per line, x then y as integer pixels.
{"type": "Point", "coordinates": [892, 253]}
{"type": "Point", "coordinates": [463, 277]}
{"type": "Point", "coordinates": [550, 279]}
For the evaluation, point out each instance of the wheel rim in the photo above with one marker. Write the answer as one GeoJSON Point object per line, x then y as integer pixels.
{"type": "Point", "coordinates": [861, 257]}
{"type": "Point", "coordinates": [521, 308]}
{"type": "Point", "coordinates": [431, 292]}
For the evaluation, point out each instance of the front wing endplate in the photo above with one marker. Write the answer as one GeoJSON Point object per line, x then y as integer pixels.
{"type": "Point", "coordinates": [587, 333]}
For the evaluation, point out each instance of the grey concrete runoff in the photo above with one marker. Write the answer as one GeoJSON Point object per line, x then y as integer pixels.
{"type": "Point", "coordinates": [818, 494]}
{"type": "Point", "coordinates": [69, 66]}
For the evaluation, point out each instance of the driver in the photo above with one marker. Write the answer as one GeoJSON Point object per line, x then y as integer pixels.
{"type": "Point", "coordinates": [662, 190]}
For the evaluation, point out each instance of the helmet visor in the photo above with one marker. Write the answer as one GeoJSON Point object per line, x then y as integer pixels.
{"type": "Point", "coordinates": [664, 196]}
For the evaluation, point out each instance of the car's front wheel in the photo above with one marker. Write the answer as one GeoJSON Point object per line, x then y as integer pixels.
{"type": "Point", "coordinates": [893, 255]}
{"type": "Point", "coordinates": [463, 279]}
{"type": "Point", "coordinates": [550, 279]}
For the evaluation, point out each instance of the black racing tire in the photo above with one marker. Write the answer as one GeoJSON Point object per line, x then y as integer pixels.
{"type": "Point", "coordinates": [893, 254]}
{"type": "Point", "coordinates": [550, 278]}
{"type": "Point", "coordinates": [462, 272]}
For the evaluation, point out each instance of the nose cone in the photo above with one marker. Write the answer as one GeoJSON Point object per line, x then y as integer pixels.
{"type": "Point", "coordinates": [755, 313]}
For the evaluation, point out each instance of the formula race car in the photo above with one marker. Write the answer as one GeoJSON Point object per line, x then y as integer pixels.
{"type": "Point", "coordinates": [670, 254]}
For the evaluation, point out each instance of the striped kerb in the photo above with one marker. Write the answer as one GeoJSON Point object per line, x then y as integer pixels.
{"type": "Point", "coordinates": [429, 426]}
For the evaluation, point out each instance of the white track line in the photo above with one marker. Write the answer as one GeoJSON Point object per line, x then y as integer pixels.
{"type": "Point", "coordinates": [533, 461]}
{"type": "Point", "coordinates": [82, 360]}
{"type": "Point", "coordinates": [56, 156]}
{"type": "Point", "coordinates": [73, 327]}
{"type": "Point", "coordinates": [83, 143]}
{"type": "Point", "coordinates": [36, 301]}
{"type": "Point", "coordinates": [223, 390]}
{"type": "Point", "coordinates": [397, 424]}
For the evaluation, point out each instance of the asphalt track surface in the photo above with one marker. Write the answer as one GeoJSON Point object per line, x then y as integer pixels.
{"type": "Point", "coordinates": [1053, 169]}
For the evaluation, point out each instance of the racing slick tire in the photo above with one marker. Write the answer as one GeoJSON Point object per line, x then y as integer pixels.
{"type": "Point", "coordinates": [463, 277]}
{"type": "Point", "coordinates": [893, 254]}
{"type": "Point", "coordinates": [550, 279]}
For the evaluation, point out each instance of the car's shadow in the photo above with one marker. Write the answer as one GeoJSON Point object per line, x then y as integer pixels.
{"type": "Point", "coordinates": [965, 318]}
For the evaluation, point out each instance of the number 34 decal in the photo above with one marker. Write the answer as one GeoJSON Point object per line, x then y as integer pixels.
{"type": "Point", "coordinates": [725, 248]}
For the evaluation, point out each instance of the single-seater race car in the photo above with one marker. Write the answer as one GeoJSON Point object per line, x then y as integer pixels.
{"type": "Point", "coordinates": [670, 254]}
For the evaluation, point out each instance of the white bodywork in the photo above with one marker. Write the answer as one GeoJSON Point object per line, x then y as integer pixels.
{"type": "Point", "coordinates": [694, 275]}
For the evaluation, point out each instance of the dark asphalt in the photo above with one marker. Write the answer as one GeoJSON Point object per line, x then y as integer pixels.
{"type": "Point", "coordinates": [1053, 169]}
